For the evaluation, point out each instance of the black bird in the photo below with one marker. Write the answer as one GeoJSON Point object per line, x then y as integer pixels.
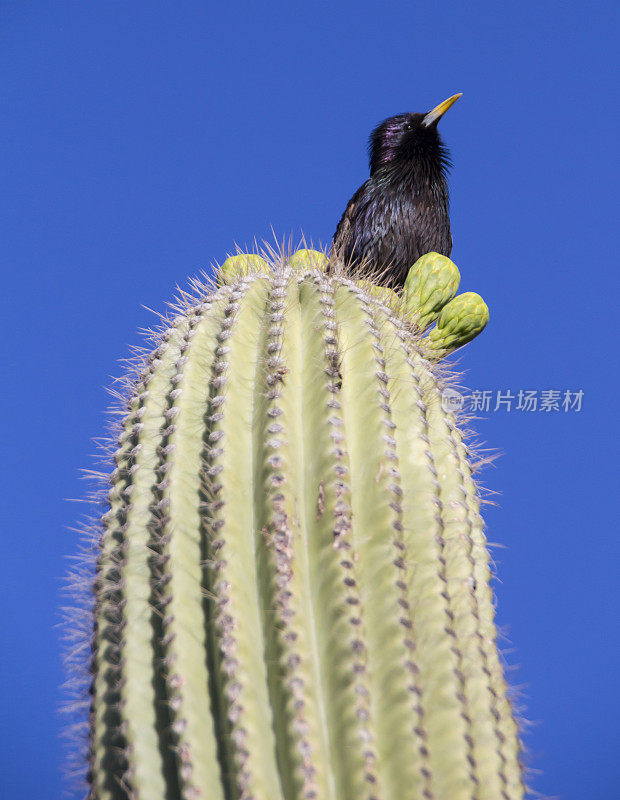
{"type": "Point", "coordinates": [401, 212]}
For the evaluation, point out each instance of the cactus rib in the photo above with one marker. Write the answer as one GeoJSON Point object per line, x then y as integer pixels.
{"type": "Point", "coordinates": [124, 601]}
{"type": "Point", "coordinates": [377, 493]}
{"type": "Point", "coordinates": [294, 676]}
{"type": "Point", "coordinates": [506, 745]}
{"type": "Point", "coordinates": [437, 654]}
{"type": "Point", "coordinates": [459, 529]}
{"type": "Point", "coordinates": [176, 526]}
{"type": "Point", "coordinates": [344, 659]}
{"type": "Point", "coordinates": [246, 721]}
{"type": "Point", "coordinates": [147, 756]}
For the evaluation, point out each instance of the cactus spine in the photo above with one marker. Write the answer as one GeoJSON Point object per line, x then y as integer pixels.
{"type": "Point", "coordinates": [292, 593]}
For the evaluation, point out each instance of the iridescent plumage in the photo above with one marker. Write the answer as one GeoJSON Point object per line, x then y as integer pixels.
{"type": "Point", "coordinates": [402, 211]}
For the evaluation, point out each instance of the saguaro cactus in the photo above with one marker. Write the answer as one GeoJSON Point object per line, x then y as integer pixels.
{"type": "Point", "coordinates": [292, 590]}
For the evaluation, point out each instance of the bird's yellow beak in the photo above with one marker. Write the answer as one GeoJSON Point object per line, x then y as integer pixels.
{"type": "Point", "coordinates": [437, 113]}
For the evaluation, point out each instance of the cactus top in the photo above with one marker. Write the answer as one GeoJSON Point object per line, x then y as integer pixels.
{"type": "Point", "coordinates": [292, 592]}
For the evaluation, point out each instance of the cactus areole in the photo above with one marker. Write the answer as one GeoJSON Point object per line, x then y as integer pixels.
{"type": "Point", "coordinates": [292, 591]}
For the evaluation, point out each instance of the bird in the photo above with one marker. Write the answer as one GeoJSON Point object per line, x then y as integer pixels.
{"type": "Point", "coordinates": [402, 211]}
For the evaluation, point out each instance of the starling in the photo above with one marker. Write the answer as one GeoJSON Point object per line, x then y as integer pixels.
{"type": "Point", "coordinates": [401, 212]}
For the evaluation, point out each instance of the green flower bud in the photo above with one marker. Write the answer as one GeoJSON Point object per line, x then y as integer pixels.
{"type": "Point", "coordinates": [431, 283]}
{"type": "Point", "coordinates": [236, 267]}
{"type": "Point", "coordinates": [309, 259]}
{"type": "Point", "coordinates": [460, 321]}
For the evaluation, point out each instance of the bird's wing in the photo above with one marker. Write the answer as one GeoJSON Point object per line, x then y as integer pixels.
{"type": "Point", "coordinates": [371, 223]}
{"type": "Point", "coordinates": [343, 236]}
{"type": "Point", "coordinates": [353, 235]}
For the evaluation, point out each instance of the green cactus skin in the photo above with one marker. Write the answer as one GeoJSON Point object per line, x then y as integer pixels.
{"type": "Point", "coordinates": [431, 283]}
{"type": "Point", "coordinates": [292, 592]}
{"type": "Point", "coordinates": [383, 293]}
{"type": "Point", "coordinates": [460, 321]}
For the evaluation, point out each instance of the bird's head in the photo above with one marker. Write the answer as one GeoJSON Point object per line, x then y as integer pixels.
{"type": "Point", "coordinates": [410, 139]}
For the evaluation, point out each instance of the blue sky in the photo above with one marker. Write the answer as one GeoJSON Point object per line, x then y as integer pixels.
{"type": "Point", "coordinates": [142, 140]}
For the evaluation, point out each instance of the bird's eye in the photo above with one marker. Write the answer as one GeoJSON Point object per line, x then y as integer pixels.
{"type": "Point", "coordinates": [408, 126]}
